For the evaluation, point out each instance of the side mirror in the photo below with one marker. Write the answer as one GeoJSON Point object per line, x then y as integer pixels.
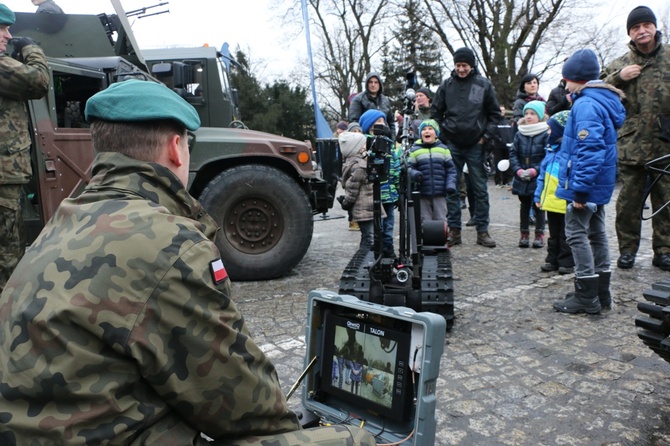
{"type": "Point", "coordinates": [162, 70]}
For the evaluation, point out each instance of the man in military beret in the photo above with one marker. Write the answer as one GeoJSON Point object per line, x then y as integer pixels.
{"type": "Point", "coordinates": [642, 74]}
{"type": "Point", "coordinates": [118, 326]}
{"type": "Point", "coordinates": [23, 76]}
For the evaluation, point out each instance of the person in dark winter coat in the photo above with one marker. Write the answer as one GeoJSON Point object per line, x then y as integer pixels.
{"type": "Point", "coordinates": [502, 136]}
{"type": "Point", "coordinates": [421, 110]}
{"type": "Point", "coordinates": [372, 98]}
{"type": "Point", "coordinates": [527, 92]}
{"type": "Point", "coordinates": [525, 159]}
{"type": "Point", "coordinates": [559, 99]}
{"type": "Point", "coordinates": [586, 179]}
{"type": "Point", "coordinates": [559, 255]}
{"type": "Point", "coordinates": [465, 105]}
{"type": "Point", "coordinates": [430, 166]}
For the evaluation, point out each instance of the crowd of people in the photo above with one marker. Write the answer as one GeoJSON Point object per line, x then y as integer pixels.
{"type": "Point", "coordinates": [564, 155]}
{"type": "Point", "coordinates": [94, 344]}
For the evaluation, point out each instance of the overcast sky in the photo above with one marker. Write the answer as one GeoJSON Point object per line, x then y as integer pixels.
{"type": "Point", "coordinates": [247, 23]}
{"type": "Point", "coordinates": [256, 27]}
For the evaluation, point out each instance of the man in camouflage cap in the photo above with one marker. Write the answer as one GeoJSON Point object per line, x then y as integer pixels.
{"type": "Point", "coordinates": [23, 76]}
{"type": "Point", "coordinates": [642, 74]}
{"type": "Point", "coordinates": [118, 326]}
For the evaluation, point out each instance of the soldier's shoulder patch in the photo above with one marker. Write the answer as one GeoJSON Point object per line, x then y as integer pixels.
{"type": "Point", "coordinates": [583, 134]}
{"type": "Point", "coordinates": [219, 273]}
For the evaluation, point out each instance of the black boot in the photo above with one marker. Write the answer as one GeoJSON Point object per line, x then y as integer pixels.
{"type": "Point", "coordinates": [585, 299]}
{"type": "Point", "coordinates": [604, 295]}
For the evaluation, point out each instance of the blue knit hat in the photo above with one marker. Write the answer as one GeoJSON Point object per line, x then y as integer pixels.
{"type": "Point", "coordinates": [557, 125]}
{"type": "Point", "coordinates": [7, 17]}
{"type": "Point", "coordinates": [370, 117]}
{"type": "Point", "coordinates": [136, 101]}
{"type": "Point", "coordinates": [581, 67]}
{"type": "Point", "coordinates": [537, 106]}
{"type": "Point", "coordinates": [430, 123]}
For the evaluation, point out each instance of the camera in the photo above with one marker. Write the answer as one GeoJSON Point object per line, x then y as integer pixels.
{"type": "Point", "coordinates": [379, 153]}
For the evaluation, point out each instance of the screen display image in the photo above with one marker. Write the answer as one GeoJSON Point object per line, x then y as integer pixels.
{"type": "Point", "coordinates": [367, 364]}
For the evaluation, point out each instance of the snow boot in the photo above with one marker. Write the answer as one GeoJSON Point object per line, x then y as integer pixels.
{"type": "Point", "coordinates": [585, 298]}
{"type": "Point", "coordinates": [454, 237]}
{"type": "Point", "coordinates": [524, 241]}
{"type": "Point", "coordinates": [604, 295]}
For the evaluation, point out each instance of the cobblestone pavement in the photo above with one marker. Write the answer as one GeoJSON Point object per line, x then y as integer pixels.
{"type": "Point", "coordinates": [514, 371]}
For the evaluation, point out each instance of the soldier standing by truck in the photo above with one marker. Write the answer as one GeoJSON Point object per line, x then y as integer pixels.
{"type": "Point", "coordinates": [23, 76]}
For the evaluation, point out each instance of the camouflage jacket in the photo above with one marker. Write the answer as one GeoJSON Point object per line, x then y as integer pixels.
{"type": "Point", "coordinates": [647, 96]}
{"type": "Point", "coordinates": [115, 330]}
{"type": "Point", "coordinates": [19, 82]}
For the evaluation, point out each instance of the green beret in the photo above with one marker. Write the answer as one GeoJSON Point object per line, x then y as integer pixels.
{"type": "Point", "coordinates": [134, 100]}
{"type": "Point", "coordinates": [7, 17]}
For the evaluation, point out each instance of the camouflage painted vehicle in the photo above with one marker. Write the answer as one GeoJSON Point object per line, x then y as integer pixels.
{"type": "Point", "coordinates": [262, 189]}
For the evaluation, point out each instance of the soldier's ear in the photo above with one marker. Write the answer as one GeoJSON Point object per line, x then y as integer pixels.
{"type": "Point", "coordinates": [174, 151]}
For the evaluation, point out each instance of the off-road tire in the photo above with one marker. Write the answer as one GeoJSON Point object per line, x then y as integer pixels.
{"type": "Point", "coordinates": [265, 218]}
{"type": "Point", "coordinates": [654, 325]}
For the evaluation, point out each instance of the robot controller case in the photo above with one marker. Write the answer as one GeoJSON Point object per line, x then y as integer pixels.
{"type": "Point", "coordinates": [376, 367]}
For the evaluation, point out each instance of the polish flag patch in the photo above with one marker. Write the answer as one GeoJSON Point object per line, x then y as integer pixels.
{"type": "Point", "coordinates": [219, 273]}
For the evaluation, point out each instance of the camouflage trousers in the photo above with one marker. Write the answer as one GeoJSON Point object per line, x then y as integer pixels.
{"type": "Point", "coordinates": [12, 231]}
{"type": "Point", "coordinates": [629, 210]}
{"type": "Point", "coordinates": [338, 435]}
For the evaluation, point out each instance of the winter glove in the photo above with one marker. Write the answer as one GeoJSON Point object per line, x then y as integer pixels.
{"type": "Point", "coordinates": [533, 172]}
{"type": "Point", "coordinates": [524, 175]}
{"type": "Point", "coordinates": [345, 205]}
{"type": "Point", "coordinates": [19, 44]}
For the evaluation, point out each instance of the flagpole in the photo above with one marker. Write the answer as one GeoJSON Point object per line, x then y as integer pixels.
{"type": "Point", "coordinates": [322, 128]}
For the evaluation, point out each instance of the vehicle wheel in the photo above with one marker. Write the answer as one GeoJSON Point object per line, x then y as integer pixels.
{"type": "Point", "coordinates": [265, 218]}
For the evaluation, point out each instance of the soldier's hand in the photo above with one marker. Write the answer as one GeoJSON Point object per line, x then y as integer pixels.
{"type": "Point", "coordinates": [630, 72]}
{"type": "Point", "coordinates": [19, 44]}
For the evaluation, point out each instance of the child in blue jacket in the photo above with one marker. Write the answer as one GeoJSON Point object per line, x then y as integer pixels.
{"type": "Point", "coordinates": [559, 254]}
{"type": "Point", "coordinates": [586, 179]}
{"type": "Point", "coordinates": [525, 157]}
{"type": "Point", "coordinates": [431, 167]}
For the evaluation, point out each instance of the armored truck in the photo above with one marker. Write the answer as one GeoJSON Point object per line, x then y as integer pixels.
{"type": "Point", "coordinates": [262, 189]}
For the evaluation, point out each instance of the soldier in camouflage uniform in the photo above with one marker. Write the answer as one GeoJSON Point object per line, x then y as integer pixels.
{"type": "Point", "coordinates": [23, 76]}
{"type": "Point", "coordinates": [642, 74]}
{"type": "Point", "coordinates": [118, 327]}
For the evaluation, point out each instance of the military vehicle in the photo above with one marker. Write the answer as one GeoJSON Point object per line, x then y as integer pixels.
{"type": "Point", "coordinates": [262, 189]}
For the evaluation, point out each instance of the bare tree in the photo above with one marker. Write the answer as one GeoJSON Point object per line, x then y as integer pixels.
{"type": "Point", "coordinates": [414, 49]}
{"type": "Point", "coordinates": [349, 43]}
{"type": "Point", "coordinates": [663, 21]}
{"type": "Point", "coordinates": [511, 37]}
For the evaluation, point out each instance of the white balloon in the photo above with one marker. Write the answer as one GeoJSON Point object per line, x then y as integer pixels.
{"type": "Point", "coordinates": [503, 165]}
